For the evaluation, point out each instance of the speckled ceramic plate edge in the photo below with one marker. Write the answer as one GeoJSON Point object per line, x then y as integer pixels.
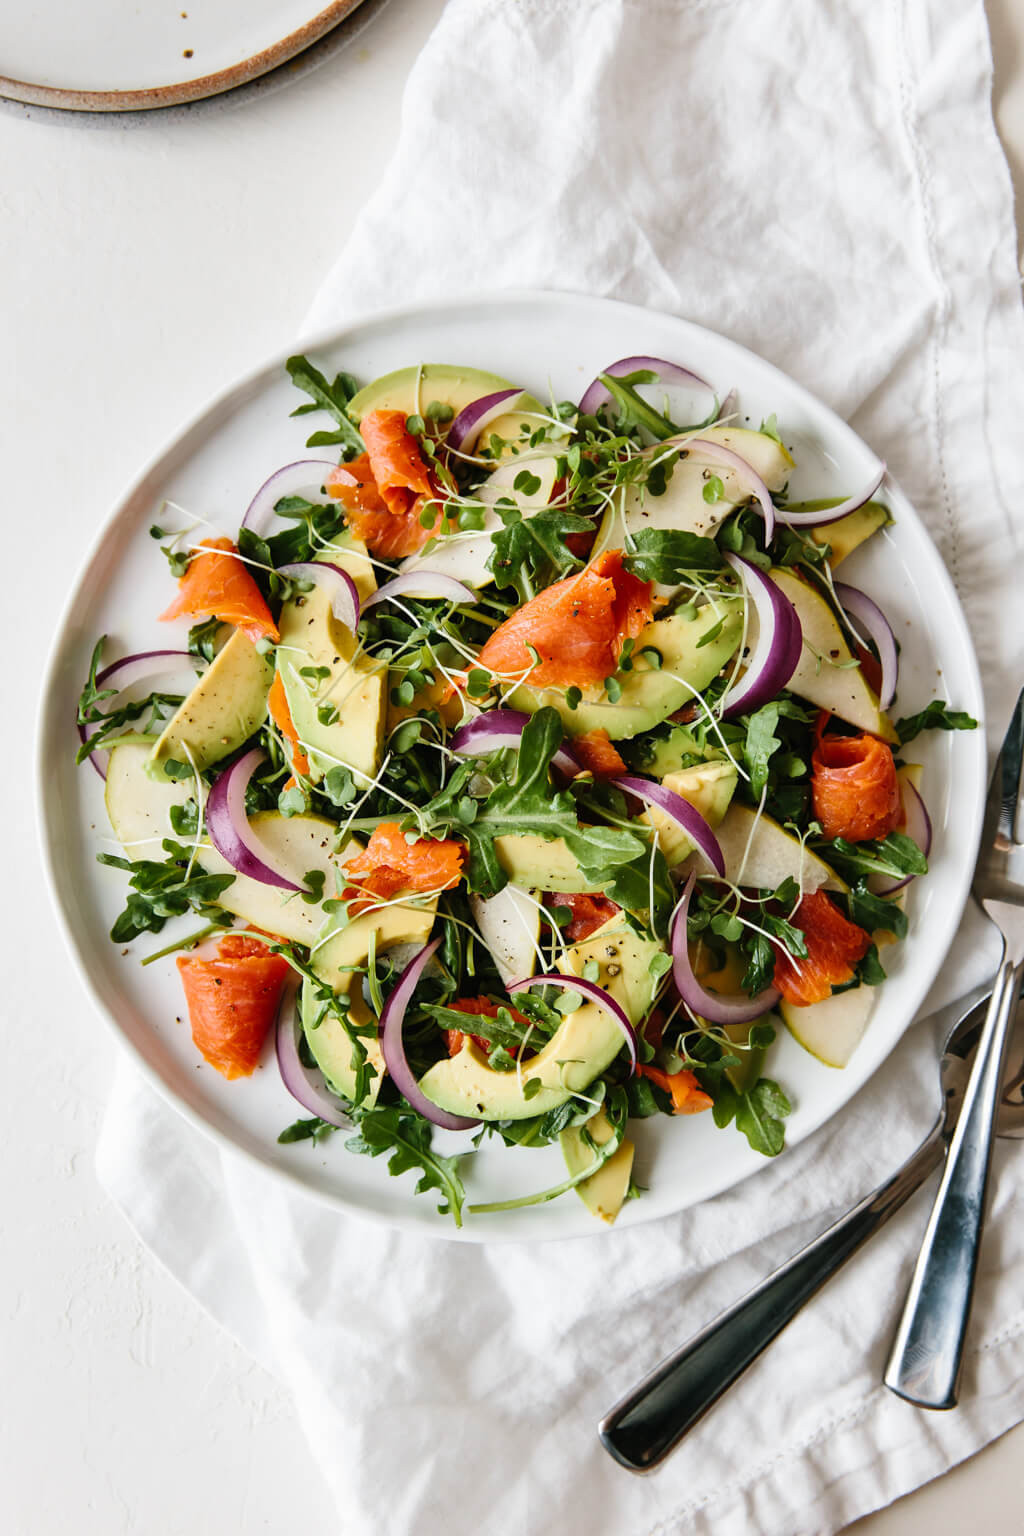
{"type": "Point", "coordinates": [185, 90]}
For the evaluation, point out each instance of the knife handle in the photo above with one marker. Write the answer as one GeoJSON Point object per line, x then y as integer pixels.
{"type": "Point", "coordinates": [927, 1354]}
{"type": "Point", "coordinates": [643, 1428]}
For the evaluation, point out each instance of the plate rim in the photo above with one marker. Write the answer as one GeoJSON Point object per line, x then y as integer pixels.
{"type": "Point", "coordinates": [149, 98]}
{"type": "Point", "coordinates": [47, 728]}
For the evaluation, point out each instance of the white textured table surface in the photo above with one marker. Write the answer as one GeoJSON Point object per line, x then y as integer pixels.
{"type": "Point", "coordinates": [144, 262]}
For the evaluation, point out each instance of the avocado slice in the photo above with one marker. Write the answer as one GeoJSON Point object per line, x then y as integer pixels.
{"type": "Point", "coordinates": [412, 390]}
{"type": "Point", "coordinates": [466, 558]}
{"type": "Point", "coordinates": [545, 864]}
{"type": "Point", "coordinates": [709, 789]}
{"type": "Point", "coordinates": [649, 694]}
{"type": "Point", "coordinates": [583, 1046]}
{"type": "Point", "coordinates": [850, 532]}
{"type": "Point", "coordinates": [333, 961]}
{"type": "Point", "coordinates": [765, 854]}
{"type": "Point", "coordinates": [831, 1030]}
{"type": "Point", "coordinates": [678, 750]}
{"type": "Point", "coordinates": [824, 675]}
{"type": "Point", "coordinates": [226, 705]}
{"type": "Point", "coordinates": [605, 1190]}
{"type": "Point", "coordinates": [312, 638]}
{"type": "Point", "coordinates": [682, 505]}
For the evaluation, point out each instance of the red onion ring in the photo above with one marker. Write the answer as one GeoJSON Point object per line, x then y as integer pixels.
{"type": "Point", "coordinates": [717, 1007]}
{"type": "Point", "coordinates": [669, 373]}
{"type": "Point", "coordinates": [680, 811]}
{"type": "Point", "coordinates": [393, 1047]}
{"type": "Point", "coordinates": [727, 406]}
{"type": "Point", "coordinates": [344, 595]}
{"type": "Point", "coordinates": [779, 642]}
{"type": "Point", "coordinates": [719, 454]}
{"type": "Point", "coordinates": [832, 514]}
{"type": "Point", "coordinates": [423, 583]}
{"type": "Point", "coordinates": [596, 995]}
{"type": "Point", "coordinates": [229, 828]}
{"type": "Point", "coordinates": [864, 609]}
{"type": "Point", "coordinates": [140, 664]}
{"type": "Point", "coordinates": [287, 481]}
{"type": "Point", "coordinates": [918, 825]}
{"type": "Point", "coordinates": [465, 430]}
{"type": "Point", "coordinates": [498, 728]}
{"type": "Point", "coordinates": [308, 1087]}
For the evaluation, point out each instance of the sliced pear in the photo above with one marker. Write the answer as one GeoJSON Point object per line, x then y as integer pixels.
{"type": "Point", "coordinates": [708, 788]}
{"type": "Point", "coordinates": [605, 1190]}
{"type": "Point", "coordinates": [682, 506]}
{"type": "Point", "coordinates": [827, 673]}
{"type": "Point", "coordinates": [226, 705]}
{"type": "Point", "coordinates": [509, 925]}
{"type": "Point", "coordinates": [765, 854]}
{"type": "Point", "coordinates": [831, 1030]}
{"type": "Point", "coordinates": [465, 556]}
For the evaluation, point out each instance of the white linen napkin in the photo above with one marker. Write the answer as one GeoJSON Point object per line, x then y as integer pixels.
{"type": "Point", "coordinates": [821, 180]}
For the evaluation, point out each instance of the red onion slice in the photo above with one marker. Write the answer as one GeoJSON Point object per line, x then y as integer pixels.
{"type": "Point", "coordinates": [344, 593]}
{"type": "Point", "coordinates": [131, 669]}
{"type": "Point", "coordinates": [308, 1086]}
{"type": "Point", "coordinates": [669, 373]}
{"type": "Point", "coordinates": [717, 1007]}
{"type": "Point", "coordinates": [288, 481]}
{"type": "Point", "coordinates": [779, 642]}
{"type": "Point", "coordinates": [497, 728]}
{"type": "Point", "coordinates": [465, 430]}
{"type": "Point", "coordinates": [423, 583]}
{"type": "Point", "coordinates": [867, 612]}
{"type": "Point", "coordinates": [229, 828]}
{"type": "Point", "coordinates": [596, 994]}
{"type": "Point", "coordinates": [832, 514]}
{"type": "Point", "coordinates": [719, 454]}
{"type": "Point", "coordinates": [680, 811]}
{"type": "Point", "coordinates": [393, 1047]}
{"type": "Point", "coordinates": [728, 406]}
{"type": "Point", "coordinates": [917, 824]}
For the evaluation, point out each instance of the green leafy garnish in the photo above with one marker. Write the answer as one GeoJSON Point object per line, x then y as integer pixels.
{"type": "Point", "coordinates": [332, 398]}
{"type": "Point", "coordinates": [405, 1138]}
{"type": "Point", "coordinates": [936, 717]}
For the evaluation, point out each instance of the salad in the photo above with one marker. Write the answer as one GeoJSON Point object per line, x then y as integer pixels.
{"type": "Point", "coordinates": [517, 766]}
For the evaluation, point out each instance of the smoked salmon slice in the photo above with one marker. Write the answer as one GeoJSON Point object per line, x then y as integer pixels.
{"type": "Point", "coordinates": [688, 1097]}
{"type": "Point", "coordinates": [277, 705]}
{"type": "Point", "coordinates": [595, 754]}
{"type": "Point", "coordinates": [589, 913]}
{"type": "Point", "coordinates": [577, 627]}
{"type": "Point", "coordinates": [481, 1008]}
{"type": "Point", "coordinates": [217, 583]}
{"type": "Point", "coordinates": [388, 864]}
{"type": "Point", "coordinates": [854, 787]}
{"type": "Point", "coordinates": [385, 516]}
{"type": "Point", "coordinates": [834, 946]}
{"type": "Point", "coordinates": [232, 1001]}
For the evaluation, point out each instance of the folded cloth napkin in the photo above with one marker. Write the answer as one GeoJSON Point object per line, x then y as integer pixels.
{"type": "Point", "coordinates": [821, 180]}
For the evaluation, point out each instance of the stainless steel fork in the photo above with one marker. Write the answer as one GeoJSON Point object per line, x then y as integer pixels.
{"type": "Point", "coordinates": [927, 1355]}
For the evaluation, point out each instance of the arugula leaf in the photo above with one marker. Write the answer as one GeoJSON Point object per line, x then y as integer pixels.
{"type": "Point", "coordinates": [761, 743]}
{"type": "Point", "coordinates": [896, 855]}
{"type": "Point", "coordinates": [306, 1130]}
{"type": "Point", "coordinates": [529, 553]}
{"type": "Point", "coordinates": [332, 398]}
{"type": "Point", "coordinates": [667, 554]}
{"type": "Point", "coordinates": [163, 890]}
{"type": "Point", "coordinates": [759, 1113]}
{"type": "Point", "coordinates": [870, 970]}
{"type": "Point", "coordinates": [872, 912]}
{"type": "Point", "coordinates": [405, 1137]}
{"type": "Point", "coordinates": [111, 723]}
{"type": "Point", "coordinates": [633, 408]}
{"type": "Point", "coordinates": [936, 717]}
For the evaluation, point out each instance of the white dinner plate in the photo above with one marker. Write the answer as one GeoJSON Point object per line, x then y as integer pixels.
{"type": "Point", "coordinates": [118, 55]}
{"type": "Point", "coordinates": [212, 468]}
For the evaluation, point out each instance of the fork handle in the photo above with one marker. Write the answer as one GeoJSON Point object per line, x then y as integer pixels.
{"type": "Point", "coordinates": [643, 1428]}
{"type": "Point", "coordinates": [924, 1367]}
